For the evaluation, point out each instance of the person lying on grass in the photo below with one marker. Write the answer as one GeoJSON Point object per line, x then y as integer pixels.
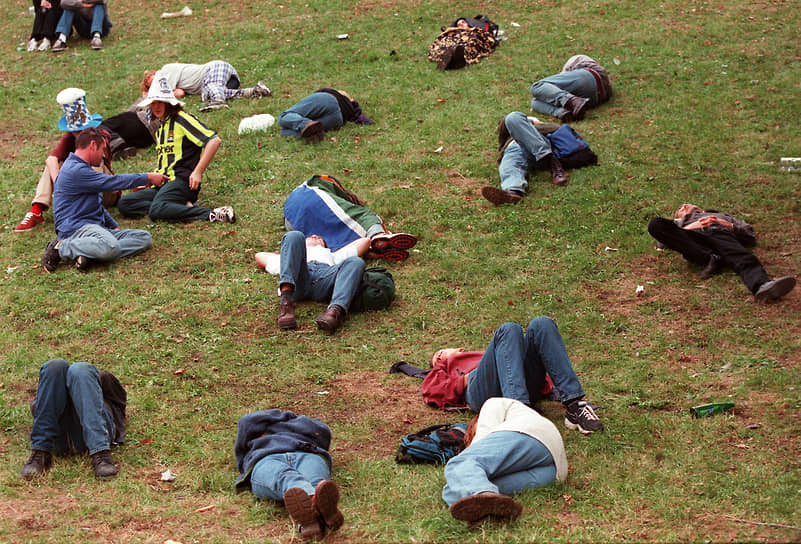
{"type": "Point", "coordinates": [516, 365]}
{"type": "Point", "coordinates": [284, 457]}
{"type": "Point", "coordinates": [509, 447]}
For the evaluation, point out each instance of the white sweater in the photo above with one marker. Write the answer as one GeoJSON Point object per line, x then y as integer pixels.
{"type": "Point", "coordinates": [500, 414]}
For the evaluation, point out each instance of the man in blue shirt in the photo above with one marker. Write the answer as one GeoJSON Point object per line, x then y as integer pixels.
{"type": "Point", "coordinates": [85, 230]}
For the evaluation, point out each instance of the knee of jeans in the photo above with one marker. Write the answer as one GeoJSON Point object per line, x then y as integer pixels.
{"type": "Point", "coordinates": [543, 323]}
{"type": "Point", "coordinates": [509, 328]}
{"type": "Point", "coordinates": [294, 236]}
{"type": "Point", "coordinates": [81, 370]}
{"type": "Point", "coordinates": [53, 367]}
{"type": "Point", "coordinates": [354, 263]}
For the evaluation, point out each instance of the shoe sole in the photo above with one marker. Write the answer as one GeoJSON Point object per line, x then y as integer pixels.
{"type": "Point", "coordinates": [577, 427]}
{"type": "Point", "coordinates": [777, 290]}
{"type": "Point", "coordinates": [478, 507]}
{"type": "Point", "coordinates": [389, 255]}
{"type": "Point", "coordinates": [287, 325]}
{"type": "Point", "coordinates": [399, 240]}
{"type": "Point", "coordinates": [499, 197]}
{"type": "Point", "coordinates": [326, 500]}
{"type": "Point", "coordinates": [299, 506]}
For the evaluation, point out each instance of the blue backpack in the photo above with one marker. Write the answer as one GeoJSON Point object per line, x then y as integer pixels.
{"type": "Point", "coordinates": [570, 148]}
{"type": "Point", "coordinates": [435, 444]}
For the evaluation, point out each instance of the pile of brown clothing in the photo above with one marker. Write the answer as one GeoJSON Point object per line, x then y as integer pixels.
{"type": "Point", "coordinates": [458, 47]}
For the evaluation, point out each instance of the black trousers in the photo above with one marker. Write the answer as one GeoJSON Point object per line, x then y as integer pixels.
{"type": "Point", "coordinates": [697, 246]}
{"type": "Point", "coordinates": [127, 126]}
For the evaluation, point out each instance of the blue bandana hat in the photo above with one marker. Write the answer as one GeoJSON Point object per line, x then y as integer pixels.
{"type": "Point", "coordinates": [76, 115]}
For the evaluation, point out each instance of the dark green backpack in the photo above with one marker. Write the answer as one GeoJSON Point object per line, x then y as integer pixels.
{"type": "Point", "coordinates": [375, 292]}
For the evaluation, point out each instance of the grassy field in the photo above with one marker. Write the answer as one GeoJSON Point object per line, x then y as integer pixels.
{"type": "Point", "coordinates": [706, 102]}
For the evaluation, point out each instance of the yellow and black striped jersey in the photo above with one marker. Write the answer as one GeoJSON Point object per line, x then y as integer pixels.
{"type": "Point", "coordinates": [179, 144]}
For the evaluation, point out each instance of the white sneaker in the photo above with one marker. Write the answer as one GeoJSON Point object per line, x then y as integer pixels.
{"type": "Point", "coordinates": [214, 105]}
{"type": "Point", "coordinates": [59, 46]}
{"type": "Point", "coordinates": [97, 43]}
{"type": "Point", "coordinates": [44, 46]}
{"type": "Point", "coordinates": [223, 214]}
{"type": "Point", "coordinates": [32, 45]}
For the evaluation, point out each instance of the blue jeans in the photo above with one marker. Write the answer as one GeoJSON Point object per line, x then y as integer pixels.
{"type": "Point", "coordinates": [528, 148]}
{"type": "Point", "coordinates": [318, 281]}
{"type": "Point", "coordinates": [514, 365]}
{"type": "Point", "coordinates": [504, 462]}
{"type": "Point", "coordinates": [276, 473]}
{"type": "Point", "coordinates": [69, 414]}
{"type": "Point", "coordinates": [553, 92]}
{"type": "Point", "coordinates": [321, 107]}
{"type": "Point", "coordinates": [99, 23]}
{"type": "Point", "coordinates": [102, 244]}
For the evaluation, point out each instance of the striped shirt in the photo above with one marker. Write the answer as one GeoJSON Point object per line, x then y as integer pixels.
{"type": "Point", "coordinates": [179, 144]}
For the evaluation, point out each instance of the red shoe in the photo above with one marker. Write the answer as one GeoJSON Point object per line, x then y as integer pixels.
{"type": "Point", "coordinates": [398, 240]}
{"type": "Point", "coordinates": [29, 221]}
{"type": "Point", "coordinates": [389, 255]}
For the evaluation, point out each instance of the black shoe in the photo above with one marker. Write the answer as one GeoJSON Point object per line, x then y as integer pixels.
{"type": "Point", "coordinates": [51, 258]}
{"type": "Point", "coordinates": [104, 465]}
{"type": "Point", "coordinates": [775, 289]}
{"type": "Point", "coordinates": [37, 464]}
{"type": "Point", "coordinates": [331, 319]}
{"type": "Point", "coordinates": [500, 196]}
{"type": "Point", "coordinates": [123, 153]}
{"type": "Point", "coordinates": [581, 416]}
{"type": "Point", "coordinates": [713, 267]}
{"type": "Point", "coordinates": [83, 263]}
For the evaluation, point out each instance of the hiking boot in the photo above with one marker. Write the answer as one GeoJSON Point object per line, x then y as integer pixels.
{"type": "Point", "coordinates": [774, 289]}
{"type": "Point", "coordinates": [581, 416]}
{"type": "Point", "coordinates": [83, 263]}
{"type": "Point", "coordinates": [286, 312]}
{"type": "Point", "coordinates": [37, 464]}
{"type": "Point", "coordinates": [313, 132]}
{"type": "Point", "coordinates": [29, 221]}
{"type": "Point", "coordinates": [325, 501]}
{"type": "Point", "coordinates": [713, 267]}
{"type": "Point", "coordinates": [214, 105]}
{"type": "Point", "coordinates": [299, 505]}
{"type": "Point", "coordinates": [500, 196]}
{"type": "Point", "coordinates": [97, 42]}
{"type": "Point", "coordinates": [223, 214]}
{"type": "Point", "coordinates": [104, 465]}
{"type": "Point", "coordinates": [477, 507]}
{"type": "Point", "coordinates": [59, 46]}
{"type": "Point", "coordinates": [577, 106]}
{"type": "Point", "coordinates": [44, 46]}
{"type": "Point", "coordinates": [330, 320]}
{"type": "Point", "coordinates": [51, 258]}
{"type": "Point", "coordinates": [558, 175]}
{"type": "Point", "coordinates": [123, 152]}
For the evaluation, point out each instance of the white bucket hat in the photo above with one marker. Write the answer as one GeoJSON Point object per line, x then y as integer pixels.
{"type": "Point", "coordinates": [160, 91]}
{"type": "Point", "coordinates": [76, 115]}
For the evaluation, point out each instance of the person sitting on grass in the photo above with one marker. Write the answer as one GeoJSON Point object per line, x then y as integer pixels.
{"type": "Point", "coordinates": [309, 270]}
{"type": "Point", "coordinates": [515, 366]}
{"type": "Point", "coordinates": [77, 409]}
{"type": "Point", "coordinates": [284, 457]}
{"type": "Point", "coordinates": [185, 148]}
{"type": "Point", "coordinates": [90, 20]}
{"type": "Point", "coordinates": [324, 109]}
{"type": "Point", "coordinates": [85, 230]}
{"type": "Point", "coordinates": [522, 148]}
{"type": "Point", "coordinates": [716, 241]}
{"type": "Point", "coordinates": [509, 447]}
{"type": "Point", "coordinates": [321, 205]}
{"type": "Point", "coordinates": [215, 82]}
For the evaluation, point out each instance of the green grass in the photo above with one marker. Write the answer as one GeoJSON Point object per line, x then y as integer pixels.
{"type": "Point", "coordinates": [706, 101]}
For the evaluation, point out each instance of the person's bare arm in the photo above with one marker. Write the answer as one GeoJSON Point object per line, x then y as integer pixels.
{"type": "Point", "coordinates": [179, 92]}
{"type": "Point", "coordinates": [209, 150]}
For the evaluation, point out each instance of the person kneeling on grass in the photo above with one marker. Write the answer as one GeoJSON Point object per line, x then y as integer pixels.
{"type": "Point", "coordinates": [515, 365]}
{"type": "Point", "coordinates": [509, 447]}
{"type": "Point", "coordinates": [86, 232]}
{"type": "Point", "coordinates": [185, 147]}
{"type": "Point", "coordinates": [77, 409]}
{"type": "Point", "coordinates": [284, 457]}
{"type": "Point", "coordinates": [309, 270]}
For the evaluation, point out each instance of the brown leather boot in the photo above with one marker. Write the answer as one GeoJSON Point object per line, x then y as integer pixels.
{"type": "Point", "coordinates": [104, 465]}
{"type": "Point", "coordinates": [286, 312]}
{"type": "Point", "coordinates": [577, 106]}
{"type": "Point", "coordinates": [558, 175]}
{"type": "Point", "coordinates": [331, 319]}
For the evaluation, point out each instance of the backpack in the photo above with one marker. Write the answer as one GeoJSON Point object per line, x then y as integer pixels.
{"type": "Point", "coordinates": [570, 148]}
{"type": "Point", "coordinates": [435, 444]}
{"type": "Point", "coordinates": [376, 291]}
